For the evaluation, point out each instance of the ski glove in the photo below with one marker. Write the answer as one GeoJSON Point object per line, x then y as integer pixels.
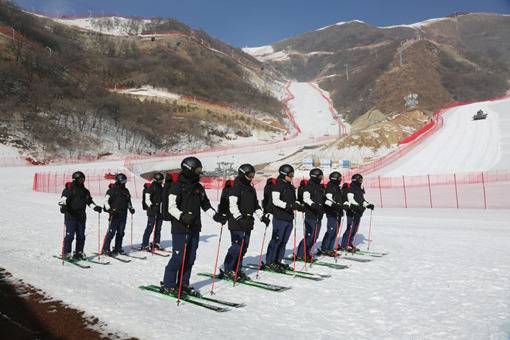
{"type": "Point", "coordinates": [370, 206]}
{"type": "Point", "coordinates": [98, 209]}
{"type": "Point", "coordinates": [132, 210]}
{"type": "Point", "coordinates": [265, 219]}
{"type": "Point", "coordinates": [63, 209]}
{"type": "Point", "coordinates": [220, 218]}
{"type": "Point", "coordinates": [294, 206]}
{"type": "Point", "coordinates": [187, 218]}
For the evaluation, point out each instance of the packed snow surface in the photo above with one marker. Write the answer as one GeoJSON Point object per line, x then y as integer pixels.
{"type": "Point", "coordinates": [266, 53]}
{"type": "Point", "coordinates": [462, 144]}
{"type": "Point", "coordinates": [447, 276]}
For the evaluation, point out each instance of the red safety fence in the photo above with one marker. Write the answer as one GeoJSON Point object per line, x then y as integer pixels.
{"type": "Point", "coordinates": [476, 190]}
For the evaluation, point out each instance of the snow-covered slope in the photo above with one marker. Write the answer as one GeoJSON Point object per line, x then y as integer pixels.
{"type": "Point", "coordinates": [108, 25]}
{"type": "Point", "coordinates": [418, 291]}
{"type": "Point", "coordinates": [266, 53]}
{"type": "Point", "coordinates": [462, 145]}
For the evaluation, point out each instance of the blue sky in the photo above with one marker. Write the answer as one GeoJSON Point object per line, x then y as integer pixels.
{"type": "Point", "coordinates": [253, 23]}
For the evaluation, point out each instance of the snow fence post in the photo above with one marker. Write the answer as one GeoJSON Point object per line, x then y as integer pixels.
{"type": "Point", "coordinates": [430, 191]}
{"type": "Point", "coordinates": [484, 195]}
{"type": "Point", "coordinates": [380, 191]}
{"type": "Point", "coordinates": [405, 194]}
{"type": "Point", "coordinates": [456, 192]}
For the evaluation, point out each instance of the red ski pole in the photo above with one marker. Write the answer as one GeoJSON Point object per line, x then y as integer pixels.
{"type": "Point", "coordinates": [131, 232]}
{"type": "Point", "coordinates": [63, 238]}
{"type": "Point", "coordinates": [338, 233]}
{"type": "Point", "coordinates": [98, 236]}
{"type": "Point", "coordinates": [261, 250]}
{"type": "Point", "coordinates": [369, 231]}
{"type": "Point", "coordinates": [216, 261]}
{"type": "Point", "coordinates": [295, 240]}
{"type": "Point", "coordinates": [182, 270]}
{"type": "Point", "coordinates": [239, 259]}
{"type": "Point", "coordinates": [304, 241]}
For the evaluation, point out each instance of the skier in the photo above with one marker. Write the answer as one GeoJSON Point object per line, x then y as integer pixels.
{"type": "Point", "coordinates": [243, 205]}
{"type": "Point", "coordinates": [314, 196]}
{"type": "Point", "coordinates": [283, 204]}
{"type": "Point", "coordinates": [186, 198]}
{"type": "Point", "coordinates": [334, 213]}
{"type": "Point", "coordinates": [357, 204]}
{"type": "Point", "coordinates": [117, 204]}
{"type": "Point", "coordinates": [75, 198]}
{"type": "Point", "coordinates": [151, 201]}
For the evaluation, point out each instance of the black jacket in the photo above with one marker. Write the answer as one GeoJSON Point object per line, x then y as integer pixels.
{"type": "Point", "coordinates": [247, 203]}
{"type": "Point", "coordinates": [77, 199]}
{"type": "Point", "coordinates": [288, 195]}
{"type": "Point", "coordinates": [335, 190]}
{"type": "Point", "coordinates": [153, 205]}
{"type": "Point", "coordinates": [359, 197]}
{"type": "Point", "coordinates": [190, 197]}
{"type": "Point", "coordinates": [318, 196]}
{"type": "Point", "coordinates": [119, 198]}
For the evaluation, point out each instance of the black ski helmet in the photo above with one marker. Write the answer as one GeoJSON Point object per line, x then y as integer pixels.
{"type": "Point", "coordinates": [158, 176]}
{"type": "Point", "coordinates": [78, 175]}
{"type": "Point", "coordinates": [316, 173]}
{"type": "Point", "coordinates": [335, 176]}
{"type": "Point", "coordinates": [191, 166]}
{"type": "Point", "coordinates": [357, 178]}
{"type": "Point", "coordinates": [286, 170]}
{"type": "Point", "coordinates": [120, 178]}
{"type": "Point", "coordinates": [246, 169]}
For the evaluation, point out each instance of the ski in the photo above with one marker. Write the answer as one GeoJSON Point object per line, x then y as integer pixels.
{"type": "Point", "coordinates": [133, 250]}
{"type": "Point", "coordinates": [134, 256]}
{"type": "Point", "coordinates": [372, 252]}
{"type": "Point", "coordinates": [323, 264]}
{"type": "Point", "coordinates": [258, 284]}
{"type": "Point", "coordinates": [206, 298]}
{"type": "Point", "coordinates": [297, 273]}
{"type": "Point", "coordinates": [355, 259]}
{"type": "Point", "coordinates": [73, 261]}
{"type": "Point", "coordinates": [114, 257]}
{"type": "Point", "coordinates": [345, 256]}
{"type": "Point", "coordinates": [187, 298]}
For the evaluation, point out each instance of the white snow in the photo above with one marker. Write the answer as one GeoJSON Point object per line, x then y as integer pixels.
{"type": "Point", "coordinates": [266, 53]}
{"type": "Point", "coordinates": [341, 23]}
{"type": "Point", "coordinates": [118, 26]}
{"type": "Point", "coordinates": [447, 276]}
{"type": "Point", "coordinates": [420, 24]}
{"type": "Point", "coordinates": [8, 151]}
{"type": "Point", "coordinates": [462, 144]}
{"type": "Point", "coordinates": [150, 91]}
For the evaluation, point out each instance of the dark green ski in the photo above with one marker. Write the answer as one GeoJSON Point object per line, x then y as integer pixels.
{"type": "Point", "coordinates": [187, 298]}
{"type": "Point", "coordinates": [297, 273]}
{"type": "Point", "coordinates": [73, 262]}
{"type": "Point", "coordinates": [323, 264]}
{"type": "Point", "coordinates": [210, 299]}
{"type": "Point", "coordinates": [258, 284]}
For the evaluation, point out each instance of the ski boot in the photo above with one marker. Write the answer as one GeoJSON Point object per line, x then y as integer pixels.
{"type": "Point", "coordinates": [189, 290]}
{"type": "Point", "coordinates": [284, 266]}
{"type": "Point", "coordinates": [275, 267]}
{"type": "Point", "coordinates": [67, 256]}
{"type": "Point", "coordinates": [107, 252]}
{"type": "Point", "coordinates": [145, 248]}
{"type": "Point", "coordinates": [155, 245]}
{"type": "Point", "coordinates": [241, 276]}
{"type": "Point", "coordinates": [168, 291]}
{"type": "Point", "coordinates": [120, 251]}
{"type": "Point", "coordinates": [79, 255]}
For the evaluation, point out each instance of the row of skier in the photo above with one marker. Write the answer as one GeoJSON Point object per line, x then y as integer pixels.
{"type": "Point", "coordinates": [180, 199]}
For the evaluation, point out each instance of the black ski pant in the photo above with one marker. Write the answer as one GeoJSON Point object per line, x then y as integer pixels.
{"type": "Point", "coordinates": [232, 257]}
{"type": "Point", "coordinates": [173, 268]}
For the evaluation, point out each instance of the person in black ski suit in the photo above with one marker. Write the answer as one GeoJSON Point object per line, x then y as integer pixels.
{"type": "Point", "coordinates": [314, 196]}
{"type": "Point", "coordinates": [357, 205]}
{"type": "Point", "coordinates": [117, 204]}
{"type": "Point", "coordinates": [283, 205]}
{"type": "Point", "coordinates": [151, 201]}
{"type": "Point", "coordinates": [334, 213]}
{"type": "Point", "coordinates": [74, 200]}
{"type": "Point", "coordinates": [186, 198]}
{"type": "Point", "coordinates": [243, 207]}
